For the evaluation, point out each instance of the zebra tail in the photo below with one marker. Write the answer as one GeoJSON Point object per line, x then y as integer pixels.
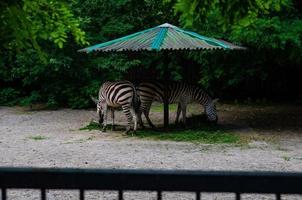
{"type": "Point", "coordinates": [136, 102]}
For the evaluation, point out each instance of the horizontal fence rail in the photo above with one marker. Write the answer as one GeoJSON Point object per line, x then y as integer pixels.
{"type": "Point", "coordinates": [149, 180]}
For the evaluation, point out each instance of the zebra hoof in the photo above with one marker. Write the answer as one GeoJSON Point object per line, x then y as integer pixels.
{"type": "Point", "coordinates": [127, 131]}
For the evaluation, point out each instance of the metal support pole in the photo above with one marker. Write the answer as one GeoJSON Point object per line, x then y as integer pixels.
{"type": "Point", "coordinates": [166, 91]}
{"type": "Point", "coordinates": [166, 108]}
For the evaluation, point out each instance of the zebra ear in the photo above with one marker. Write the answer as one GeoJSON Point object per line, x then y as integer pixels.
{"type": "Point", "coordinates": [96, 101]}
{"type": "Point", "coordinates": [215, 100]}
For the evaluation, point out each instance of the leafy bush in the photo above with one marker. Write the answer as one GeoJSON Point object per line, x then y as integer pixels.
{"type": "Point", "coordinates": [9, 96]}
{"type": "Point", "coordinates": [34, 97]}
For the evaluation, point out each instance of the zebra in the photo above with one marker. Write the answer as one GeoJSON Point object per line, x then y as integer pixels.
{"type": "Point", "coordinates": [117, 94]}
{"type": "Point", "coordinates": [178, 92]}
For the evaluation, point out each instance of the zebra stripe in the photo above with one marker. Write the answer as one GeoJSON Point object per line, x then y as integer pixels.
{"type": "Point", "coordinates": [178, 92]}
{"type": "Point", "coordinates": [118, 94]}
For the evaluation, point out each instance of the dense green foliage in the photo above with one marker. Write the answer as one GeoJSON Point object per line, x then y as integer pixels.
{"type": "Point", "coordinates": [33, 61]}
{"type": "Point", "coordinates": [272, 31]}
{"type": "Point", "coordinates": [39, 43]}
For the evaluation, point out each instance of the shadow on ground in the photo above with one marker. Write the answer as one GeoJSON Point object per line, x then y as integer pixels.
{"type": "Point", "coordinates": [277, 118]}
{"type": "Point", "coordinates": [269, 119]}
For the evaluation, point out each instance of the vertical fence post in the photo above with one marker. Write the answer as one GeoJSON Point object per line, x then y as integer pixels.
{"type": "Point", "coordinates": [43, 194]}
{"type": "Point", "coordinates": [120, 195]}
{"type": "Point", "coordinates": [82, 194]}
{"type": "Point", "coordinates": [159, 195]}
{"type": "Point", "coordinates": [3, 193]}
{"type": "Point", "coordinates": [197, 195]}
{"type": "Point", "coordinates": [238, 196]}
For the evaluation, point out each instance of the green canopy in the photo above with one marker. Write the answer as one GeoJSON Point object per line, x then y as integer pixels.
{"type": "Point", "coordinates": [162, 37]}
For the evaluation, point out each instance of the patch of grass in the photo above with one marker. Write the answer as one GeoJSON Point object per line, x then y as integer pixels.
{"type": "Point", "coordinates": [96, 126]}
{"type": "Point", "coordinates": [191, 135]}
{"type": "Point", "coordinates": [160, 108]}
{"type": "Point", "coordinates": [92, 126]}
{"type": "Point", "coordinates": [37, 137]}
{"type": "Point", "coordinates": [198, 132]}
{"type": "Point", "coordinates": [286, 158]}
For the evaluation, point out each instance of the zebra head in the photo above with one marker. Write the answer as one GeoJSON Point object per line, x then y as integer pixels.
{"type": "Point", "coordinates": [99, 108]}
{"type": "Point", "coordinates": [210, 110]}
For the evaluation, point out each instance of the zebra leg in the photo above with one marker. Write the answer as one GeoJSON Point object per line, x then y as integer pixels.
{"type": "Point", "coordinates": [146, 110]}
{"type": "Point", "coordinates": [146, 113]}
{"type": "Point", "coordinates": [139, 119]}
{"type": "Point", "coordinates": [178, 113]}
{"type": "Point", "coordinates": [105, 118]}
{"type": "Point", "coordinates": [127, 112]}
{"type": "Point", "coordinates": [134, 119]}
{"type": "Point", "coordinates": [112, 116]}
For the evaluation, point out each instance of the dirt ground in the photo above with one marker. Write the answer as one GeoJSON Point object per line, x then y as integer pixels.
{"type": "Point", "coordinates": [53, 139]}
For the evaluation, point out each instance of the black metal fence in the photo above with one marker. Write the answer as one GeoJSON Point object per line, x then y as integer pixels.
{"type": "Point", "coordinates": [149, 180]}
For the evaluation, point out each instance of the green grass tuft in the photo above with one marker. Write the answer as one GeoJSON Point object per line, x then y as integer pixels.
{"type": "Point", "coordinates": [37, 137]}
{"type": "Point", "coordinates": [286, 158]}
{"type": "Point", "coordinates": [92, 126]}
{"type": "Point", "coordinates": [198, 136]}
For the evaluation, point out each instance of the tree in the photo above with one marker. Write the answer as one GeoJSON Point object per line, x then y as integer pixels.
{"type": "Point", "coordinates": [272, 31]}
{"type": "Point", "coordinates": [26, 24]}
{"type": "Point", "coordinates": [32, 37]}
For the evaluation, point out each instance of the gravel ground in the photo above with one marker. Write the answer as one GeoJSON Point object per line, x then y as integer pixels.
{"type": "Point", "coordinates": [53, 139]}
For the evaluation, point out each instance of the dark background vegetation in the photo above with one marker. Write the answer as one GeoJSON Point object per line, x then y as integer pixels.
{"type": "Point", "coordinates": [40, 63]}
